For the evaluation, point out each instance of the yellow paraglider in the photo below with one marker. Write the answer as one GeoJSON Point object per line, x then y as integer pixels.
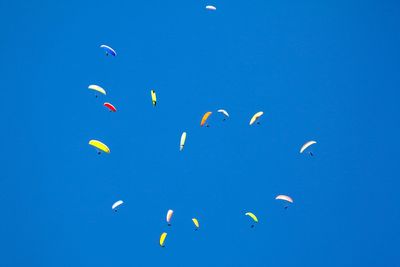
{"type": "Point", "coordinates": [196, 223]}
{"type": "Point", "coordinates": [256, 117]}
{"type": "Point", "coordinates": [162, 239]}
{"type": "Point", "coordinates": [101, 147]}
{"type": "Point", "coordinates": [153, 98]}
{"type": "Point", "coordinates": [254, 217]}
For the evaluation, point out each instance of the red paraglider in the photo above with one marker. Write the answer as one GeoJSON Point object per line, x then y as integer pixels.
{"type": "Point", "coordinates": [110, 107]}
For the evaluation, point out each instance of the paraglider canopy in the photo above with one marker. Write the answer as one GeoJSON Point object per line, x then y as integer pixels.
{"type": "Point", "coordinates": [196, 223]}
{"type": "Point", "coordinates": [205, 117]}
{"type": "Point", "coordinates": [169, 215]}
{"type": "Point", "coordinates": [108, 50]}
{"type": "Point", "coordinates": [162, 239]}
{"type": "Point", "coordinates": [256, 117]}
{"type": "Point", "coordinates": [153, 97]}
{"type": "Point", "coordinates": [285, 198]}
{"type": "Point", "coordinates": [99, 146]}
{"type": "Point", "coordinates": [110, 107]}
{"type": "Point", "coordinates": [307, 145]}
{"type": "Point", "coordinates": [97, 89]}
{"type": "Point", "coordinates": [183, 140]}
{"type": "Point", "coordinates": [209, 7]}
{"type": "Point", "coordinates": [251, 215]}
{"type": "Point", "coordinates": [223, 111]}
{"type": "Point", "coordinates": [117, 204]}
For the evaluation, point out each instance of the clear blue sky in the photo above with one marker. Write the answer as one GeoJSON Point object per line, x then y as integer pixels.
{"type": "Point", "coordinates": [323, 70]}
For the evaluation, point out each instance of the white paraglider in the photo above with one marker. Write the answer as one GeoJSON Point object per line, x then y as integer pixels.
{"type": "Point", "coordinates": [210, 7]}
{"type": "Point", "coordinates": [307, 145]}
{"type": "Point", "coordinates": [116, 205]}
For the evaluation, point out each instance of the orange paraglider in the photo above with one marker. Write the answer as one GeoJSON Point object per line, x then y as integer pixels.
{"type": "Point", "coordinates": [204, 119]}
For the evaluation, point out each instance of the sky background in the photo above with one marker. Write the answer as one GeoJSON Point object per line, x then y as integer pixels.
{"type": "Point", "coordinates": [322, 70]}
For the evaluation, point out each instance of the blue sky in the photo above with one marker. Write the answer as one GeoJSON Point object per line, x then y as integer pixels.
{"type": "Point", "coordinates": [327, 71]}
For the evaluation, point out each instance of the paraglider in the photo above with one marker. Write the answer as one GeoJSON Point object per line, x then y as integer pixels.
{"type": "Point", "coordinates": [204, 119]}
{"type": "Point", "coordinates": [169, 215]}
{"type": "Point", "coordinates": [256, 117]}
{"type": "Point", "coordinates": [307, 145]}
{"type": "Point", "coordinates": [162, 239]}
{"type": "Point", "coordinates": [254, 217]}
{"type": "Point", "coordinates": [100, 147]}
{"type": "Point", "coordinates": [183, 140]}
{"type": "Point", "coordinates": [153, 98]}
{"type": "Point", "coordinates": [212, 8]}
{"type": "Point", "coordinates": [288, 200]}
{"type": "Point", "coordinates": [110, 107]}
{"type": "Point", "coordinates": [224, 112]}
{"type": "Point", "coordinates": [97, 88]}
{"type": "Point", "coordinates": [196, 223]}
{"type": "Point", "coordinates": [116, 205]}
{"type": "Point", "coordinates": [108, 50]}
